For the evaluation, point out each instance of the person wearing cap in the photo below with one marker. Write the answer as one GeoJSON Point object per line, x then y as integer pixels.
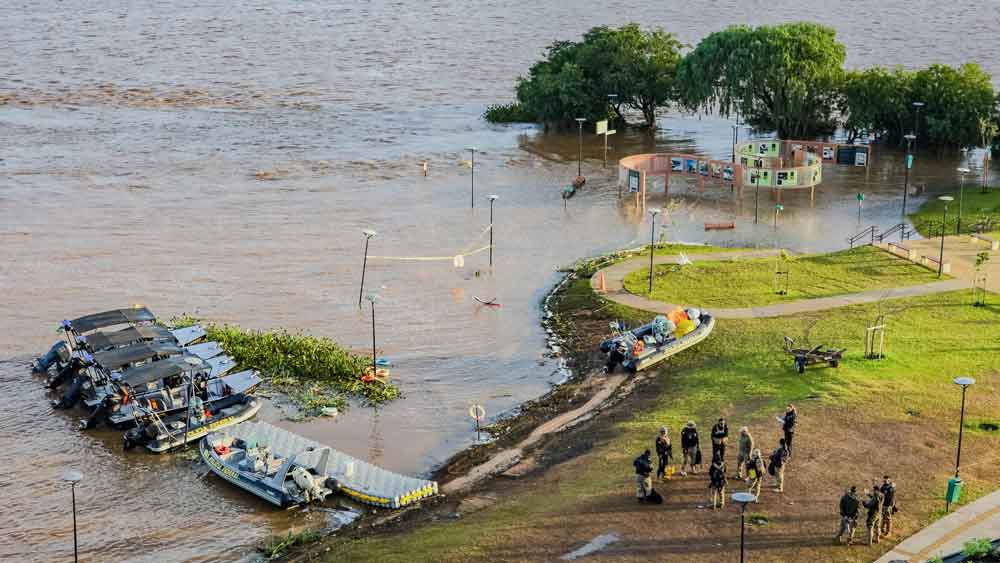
{"type": "Point", "coordinates": [755, 473]}
{"type": "Point", "coordinates": [779, 459]}
{"type": "Point", "coordinates": [743, 455]}
{"type": "Point", "coordinates": [689, 447]}
{"type": "Point", "coordinates": [888, 490]}
{"type": "Point", "coordinates": [643, 483]}
{"type": "Point", "coordinates": [720, 434]}
{"type": "Point", "coordinates": [873, 521]}
{"type": "Point", "coordinates": [849, 506]}
{"type": "Point", "coordinates": [664, 452]}
{"type": "Point", "coordinates": [717, 482]}
{"type": "Point", "coordinates": [788, 426]}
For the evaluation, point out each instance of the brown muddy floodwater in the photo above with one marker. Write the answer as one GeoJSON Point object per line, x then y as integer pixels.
{"type": "Point", "coordinates": [222, 158]}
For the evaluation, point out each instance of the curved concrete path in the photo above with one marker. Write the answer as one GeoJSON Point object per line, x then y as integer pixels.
{"type": "Point", "coordinates": [614, 277]}
{"type": "Point", "coordinates": [980, 519]}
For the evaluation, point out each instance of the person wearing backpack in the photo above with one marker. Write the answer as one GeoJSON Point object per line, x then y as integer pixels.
{"type": "Point", "coordinates": [720, 433]}
{"type": "Point", "coordinates": [776, 467]}
{"type": "Point", "coordinates": [874, 507]}
{"type": "Point", "coordinates": [788, 427]}
{"type": "Point", "coordinates": [689, 447]}
{"type": "Point", "coordinates": [755, 473]}
{"type": "Point", "coordinates": [643, 468]}
{"type": "Point", "coordinates": [664, 452]}
{"type": "Point", "coordinates": [745, 448]}
{"type": "Point", "coordinates": [849, 506]}
{"type": "Point", "coordinates": [717, 482]}
{"type": "Point", "coordinates": [888, 490]}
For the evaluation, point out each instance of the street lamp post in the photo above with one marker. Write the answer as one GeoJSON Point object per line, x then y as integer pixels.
{"type": "Point", "coordinates": [73, 477]}
{"type": "Point", "coordinates": [756, 193]}
{"type": "Point", "coordinates": [364, 265]}
{"type": "Point", "coordinates": [652, 233]}
{"type": "Point", "coordinates": [777, 209]}
{"type": "Point", "coordinates": [493, 197]}
{"type": "Point", "coordinates": [916, 117]}
{"type": "Point", "coordinates": [743, 499]}
{"type": "Point", "coordinates": [944, 220]}
{"type": "Point", "coordinates": [579, 155]}
{"type": "Point", "coordinates": [472, 176]}
{"type": "Point", "coordinates": [611, 120]}
{"type": "Point", "coordinates": [909, 163]}
{"type": "Point", "coordinates": [372, 298]}
{"type": "Point", "coordinates": [964, 382]}
{"type": "Point", "coordinates": [961, 196]}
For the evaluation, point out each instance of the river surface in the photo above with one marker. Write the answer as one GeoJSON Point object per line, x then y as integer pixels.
{"type": "Point", "coordinates": [222, 158]}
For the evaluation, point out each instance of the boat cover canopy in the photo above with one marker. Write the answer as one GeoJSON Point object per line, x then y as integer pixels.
{"type": "Point", "coordinates": [118, 358]}
{"type": "Point", "coordinates": [102, 340]}
{"type": "Point", "coordinates": [154, 371]}
{"type": "Point", "coordinates": [361, 480]}
{"type": "Point", "coordinates": [114, 317]}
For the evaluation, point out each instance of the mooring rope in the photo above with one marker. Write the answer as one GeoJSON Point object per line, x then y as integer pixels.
{"type": "Point", "coordinates": [469, 251]}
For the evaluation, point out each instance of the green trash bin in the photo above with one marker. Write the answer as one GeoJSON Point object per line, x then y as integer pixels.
{"type": "Point", "coordinates": [954, 490]}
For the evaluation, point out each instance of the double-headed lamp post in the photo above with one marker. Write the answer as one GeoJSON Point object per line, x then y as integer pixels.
{"type": "Point", "coordinates": [364, 265]}
{"type": "Point", "coordinates": [579, 157]}
{"type": "Point", "coordinates": [961, 196]}
{"type": "Point", "coordinates": [372, 298]}
{"type": "Point", "coordinates": [652, 244]}
{"type": "Point", "coordinates": [909, 162]}
{"type": "Point", "coordinates": [493, 197]}
{"type": "Point", "coordinates": [72, 476]}
{"type": "Point", "coordinates": [743, 499]}
{"type": "Point", "coordinates": [944, 219]}
{"type": "Point", "coordinates": [955, 484]}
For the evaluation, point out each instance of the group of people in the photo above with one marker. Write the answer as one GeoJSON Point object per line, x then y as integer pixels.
{"type": "Point", "coordinates": [879, 506]}
{"type": "Point", "coordinates": [750, 465]}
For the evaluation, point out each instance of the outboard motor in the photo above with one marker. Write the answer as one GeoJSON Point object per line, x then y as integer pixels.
{"type": "Point", "coordinates": [58, 354]}
{"type": "Point", "coordinates": [74, 369]}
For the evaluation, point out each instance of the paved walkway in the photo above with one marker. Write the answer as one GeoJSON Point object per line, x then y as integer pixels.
{"type": "Point", "coordinates": [980, 519]}
{"type": "Point", "coordinates": [614, 277]}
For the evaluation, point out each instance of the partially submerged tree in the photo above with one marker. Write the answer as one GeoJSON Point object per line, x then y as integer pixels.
{"type": "Point", "coordinates": [877, 100]}
{"type": "Point", "coordinates": [955, 100]}
{"type": "Point", "coordinates": [784, 77]}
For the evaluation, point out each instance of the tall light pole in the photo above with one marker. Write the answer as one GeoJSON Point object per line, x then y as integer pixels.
{"type": "Point", "coordinates": [493, 197]}
{"type": "Point", "coordinates": [611, 126]}
{"type": "Point", "coordinates": [372, 298]}
{"type": "Point", "coordinates": [961, 196]}
{"type": "Point", "coordinates": [472, 176]}
{"type": "Point", "coordinates": [736, 130]}
{"type": "Point", "coordinates": [364, 265]}
{"type": "Point", "coordinates": [652, 242]}
{"type": "Point", "coordinates": [743, 499]}
{"type": "Point", "coordinates": [756, 195]}
{"type": "Point", "coordinates": [579, 158]}
{"type": "Point", "coordinates": [909, 164]}
{"type": "Point", "coordinates": [955, 484]}
{"type": "Point", "coordinates": [944, 220]}
{"type": "Point", "coordinates": [72, 476]}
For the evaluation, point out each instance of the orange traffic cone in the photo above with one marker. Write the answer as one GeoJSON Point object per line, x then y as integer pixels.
{"type": "Point", "coordinates": [601, 287]}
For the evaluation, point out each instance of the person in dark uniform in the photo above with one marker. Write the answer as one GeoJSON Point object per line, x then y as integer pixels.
{"type": "Point", "coordinates": [720, 433]}
{"type": "Point", "coordinates": [643, 483]}
{"type": "Point", "coordinates": [874, 507]}
{"type": "Point", "coordinates": [690, 448]}
{"type": "Point", "coordinates": [850, 504]}
{"type": "Point", "coordinates": [664, 452]}
{"type": "Point", "coordinates": [788, 426]}
{"type": "Point", "coordinates": [888, 490]}
{"type": "Point", "coordinates": [717, 482]}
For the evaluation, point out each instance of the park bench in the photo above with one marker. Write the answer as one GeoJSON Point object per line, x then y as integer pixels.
{"type": "Point", "coordinates": [900, 250]}
{"type": "Point", "coordinates": [933, 263]}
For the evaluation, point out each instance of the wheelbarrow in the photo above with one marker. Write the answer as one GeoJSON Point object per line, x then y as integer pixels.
{"type": "Point", "coordinates": [808, 356]}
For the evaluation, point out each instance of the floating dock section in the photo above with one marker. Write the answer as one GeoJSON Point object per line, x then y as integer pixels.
{"type": "Point", "coordinates": [360, 480]}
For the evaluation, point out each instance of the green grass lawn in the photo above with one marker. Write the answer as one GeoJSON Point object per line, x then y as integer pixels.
{"type": "Point", "coordinates": [751, 282]}
{"type": "Point", "coordinates": [930, 339]}
{"type": "Point", "coordinates": [980, 212]}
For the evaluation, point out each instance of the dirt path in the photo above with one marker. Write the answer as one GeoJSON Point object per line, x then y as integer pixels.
{"type": "Point", "coordinates": [614, 277]}
{"type": "Point", "coordinates": [505, 459]}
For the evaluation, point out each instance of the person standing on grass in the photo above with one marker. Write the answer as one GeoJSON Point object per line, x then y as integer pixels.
{"type": "Point", "coordinates": [778, 461]}
{"type": "Point", "coordinates": [643, 468]}
{"type": "Point", "coordinates": [849, 506]}
{"type": "Point", "coordinates": [720, 433]}
{"type": "Point", "coordinates": [664, 452]}
{"type": "Point", "coordinates": [717, 482]}
{"type": "Point", "coordinates": [874, 506]}
{"type": "Point", "coordinates": [755, 473]}
{"type": "Point", "coordinates": [743, 455]}
{"type": "Point", "coordinates": [888, 490]}
{"type": "Point", "coordinates": [788, 426]}
{"type": "Point", "coordinates": [689, 447]}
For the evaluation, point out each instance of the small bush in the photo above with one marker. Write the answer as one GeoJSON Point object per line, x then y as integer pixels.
{"type": "Point", "coordinates": [978, 549]}
{"type": "Point", "coordinates": [508, 113]}
{"type": "Point", "coordinates": [278, 545]}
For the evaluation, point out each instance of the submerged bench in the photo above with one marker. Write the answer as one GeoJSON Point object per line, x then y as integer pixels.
{"type": "Point", "coordinates": [994, 244]}
{"type": "Point", "coordinates": [933, 264]}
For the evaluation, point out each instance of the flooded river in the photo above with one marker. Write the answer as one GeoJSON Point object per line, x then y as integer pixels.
{"type": "Point", "coordinates": [222, 158]}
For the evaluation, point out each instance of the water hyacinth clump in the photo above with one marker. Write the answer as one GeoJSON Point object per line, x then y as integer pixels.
{"type": "Point", "coordinates": [315, 372]}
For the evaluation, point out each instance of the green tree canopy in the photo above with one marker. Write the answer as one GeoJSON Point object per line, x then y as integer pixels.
{"type": "Point", "coordinates": [575, 78]}
{"type": "Point", "coordinates": [784, 77]}
{"type": "Point", "coordinates": [878, 100]}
